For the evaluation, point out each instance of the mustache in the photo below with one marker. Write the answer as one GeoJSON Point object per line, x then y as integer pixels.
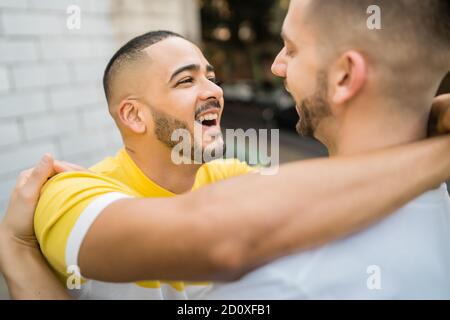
{"type": "Point", "coordinates": [212, 104]}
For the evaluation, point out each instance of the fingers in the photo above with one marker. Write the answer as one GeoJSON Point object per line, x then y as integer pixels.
{"type": "Point", "coordinates": [444, 123]}
{"type": "Point", "coordinates": [442, 100]}
{"type": "Point", "coordinates": [440, 115]}
{"type": "Point", "coordinates": [442, 103]}
{"type": "Point", "coordinates": [43, 170]}
{"type": "Point", "coordinates": [23, 177]}
{"type": "Point", "coordinates": [31, 181]}
{"type": "Point", "coordinates": [63, 166]}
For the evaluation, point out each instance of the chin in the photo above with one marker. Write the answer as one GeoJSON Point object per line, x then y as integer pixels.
{"type": "Point", "coordinates": [213, 150]}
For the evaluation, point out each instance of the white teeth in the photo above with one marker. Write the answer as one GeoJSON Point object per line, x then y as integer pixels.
{"type": "Point", "coordinates": [211, 116]}
{"type": "Point", "coordinates": [208, 116]}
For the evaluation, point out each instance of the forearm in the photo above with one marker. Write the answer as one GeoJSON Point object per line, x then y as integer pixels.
{"type": "Point", "coordinates": [26, 272]}
{"type": "Point", "coordinates": [311, 203]}
{"type": "Point", "coordinates": [228, 228]}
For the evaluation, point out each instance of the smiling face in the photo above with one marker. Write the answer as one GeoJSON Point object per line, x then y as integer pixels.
{"type": "Point", "coordinates": [305, 78]}
{"type": "Point", "coordinates": [177, 86]}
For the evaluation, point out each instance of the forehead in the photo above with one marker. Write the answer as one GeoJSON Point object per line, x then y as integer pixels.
{"type": "Point", "coordinates": [172, 53]}
{"type": "Point", "coordinates": [293, 22]}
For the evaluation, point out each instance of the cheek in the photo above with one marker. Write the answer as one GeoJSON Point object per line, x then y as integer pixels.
{"type": "Point", "coordinates": [300, 78]}
{"type": "Point", "coordinates": [186, 114]}
{"type": "Point", "coordinates": [222, 103]}
{"type": "Point", "coordinates": [183, 104]}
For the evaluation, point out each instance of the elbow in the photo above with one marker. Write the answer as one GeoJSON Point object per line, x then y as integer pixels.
{"type": "Point", "coordinates": [229, 261]}
{"type": "Point", "coordinates": [220, 240]}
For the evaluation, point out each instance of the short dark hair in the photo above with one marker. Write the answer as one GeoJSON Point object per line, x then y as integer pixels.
{"type": "Point", "coordinates": [423, 25]}
{"type": "Point", "coordinates": [131, 51]}
{"type": "Point", "coordinates": [409, 52]}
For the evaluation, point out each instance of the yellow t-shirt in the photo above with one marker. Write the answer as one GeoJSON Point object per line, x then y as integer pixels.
{"type": "Point", "coordinates": [70, 202]}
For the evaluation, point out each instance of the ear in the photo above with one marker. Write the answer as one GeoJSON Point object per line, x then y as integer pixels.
{"type": "Point", "coordinates": [348, 77]}
{"type": "Point", "coordinates": [131, 116]}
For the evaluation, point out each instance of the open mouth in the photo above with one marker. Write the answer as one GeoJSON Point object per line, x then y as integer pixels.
{"type": "Point", "coordinates": [208, 119]}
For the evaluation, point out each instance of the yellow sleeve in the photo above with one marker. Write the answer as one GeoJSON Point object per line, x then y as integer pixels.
{"type": "Point", "coordinates": [221, 169]}
{"type": "Point", "coordinates": [62, 204]}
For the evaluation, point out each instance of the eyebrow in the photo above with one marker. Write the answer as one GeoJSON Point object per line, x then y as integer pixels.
{"type": "Point", "coordinates": [190, 67]}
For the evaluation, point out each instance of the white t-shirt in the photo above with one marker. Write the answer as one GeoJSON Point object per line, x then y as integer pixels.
{"type": "Point", "coordinates": [405, 256]}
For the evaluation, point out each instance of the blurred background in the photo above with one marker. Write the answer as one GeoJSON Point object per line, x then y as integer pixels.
{"type": "Point", "coordinates": [51, 96]}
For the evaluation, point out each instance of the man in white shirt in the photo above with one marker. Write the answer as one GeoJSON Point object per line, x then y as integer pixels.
{"type": "Point", "coordinates": [406, 256]}
{"type": "Point", "coordinates": [363, 76]}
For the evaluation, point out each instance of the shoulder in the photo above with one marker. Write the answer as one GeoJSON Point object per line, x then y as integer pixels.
{"type": "Point", "coordinates": [69, 200]}
{"type": "Point", "coordinates": [72, 183]}
{"type": "Point", "coordinates": [67, 194]}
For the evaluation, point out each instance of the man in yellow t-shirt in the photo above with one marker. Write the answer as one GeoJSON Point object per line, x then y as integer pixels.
{"type": "Point", "coordinates": [146, 115]}
{"type": "Point", "coordinates": [70, 202]}
{"type": "Point", "coordinates": [114, 224]}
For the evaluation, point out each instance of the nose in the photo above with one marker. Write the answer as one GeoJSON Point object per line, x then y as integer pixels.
{"type": "Point", "coordinates": [210, 90]}
{"type": "Point", "coordinates": [279, 64]}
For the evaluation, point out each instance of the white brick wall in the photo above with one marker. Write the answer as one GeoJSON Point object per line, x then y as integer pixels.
{"type": "Point", "coordinates": [51, 99]}
{"type": "Point", "coordinates": [9, 133]}
{"type": "Point", "coordinates": [17, 50]}
{"type": "Point", "coordinates": [4, 80]}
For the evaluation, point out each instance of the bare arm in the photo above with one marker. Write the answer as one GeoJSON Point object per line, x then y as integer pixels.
{"type": "Point", "coordinates": [224, 230]}
{"type": "Point", "coordinates": [414, 171]}
{"type": "Point", "coordinates": [27, 274]}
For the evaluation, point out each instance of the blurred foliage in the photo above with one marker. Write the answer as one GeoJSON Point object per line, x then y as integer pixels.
{"type": "Point", "coordinates": [241, 37]}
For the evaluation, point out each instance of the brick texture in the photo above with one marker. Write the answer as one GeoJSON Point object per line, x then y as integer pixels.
{"type": "Point", "coordinates": [51, 96]}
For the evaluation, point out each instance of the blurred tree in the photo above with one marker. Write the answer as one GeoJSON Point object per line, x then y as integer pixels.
{"type": "Point", "coordinates": [234, 14]}
{"type": "Point", "coordinates": [239, 35]}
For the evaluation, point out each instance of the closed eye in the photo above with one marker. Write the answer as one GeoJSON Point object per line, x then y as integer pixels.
{"type": "Point", "coordinates": [185, 80]}
{"type": "Point", "coordinates": [191, 80]}
{"type": "Point", "coordinates": [289, 51]}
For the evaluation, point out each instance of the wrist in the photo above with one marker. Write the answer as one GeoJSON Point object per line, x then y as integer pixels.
{"type": "Point", "coordinates": [4, 247]}
{"type": "Point", "coordinates": [12, 247]}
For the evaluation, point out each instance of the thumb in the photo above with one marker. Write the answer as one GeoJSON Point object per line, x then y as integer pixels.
{"type": "Point", "coordinates": [41, 173]}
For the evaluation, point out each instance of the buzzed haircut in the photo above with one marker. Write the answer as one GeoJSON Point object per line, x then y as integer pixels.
{"type": "Point", "coordinates": [421, 27]}
{"type": "Point", "coordinates": [131, 52]}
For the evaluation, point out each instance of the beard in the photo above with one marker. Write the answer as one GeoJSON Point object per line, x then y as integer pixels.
{"type": "Point", "coordinates": [315, 107]}
{"type": "Point", "coordinates": [165, 125]}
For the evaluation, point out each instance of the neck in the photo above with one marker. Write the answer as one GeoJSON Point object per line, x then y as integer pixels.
{"type": "Point", "coordinates": [378, 126]}
{"type": "Point", "coordinates": [156, 163]}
